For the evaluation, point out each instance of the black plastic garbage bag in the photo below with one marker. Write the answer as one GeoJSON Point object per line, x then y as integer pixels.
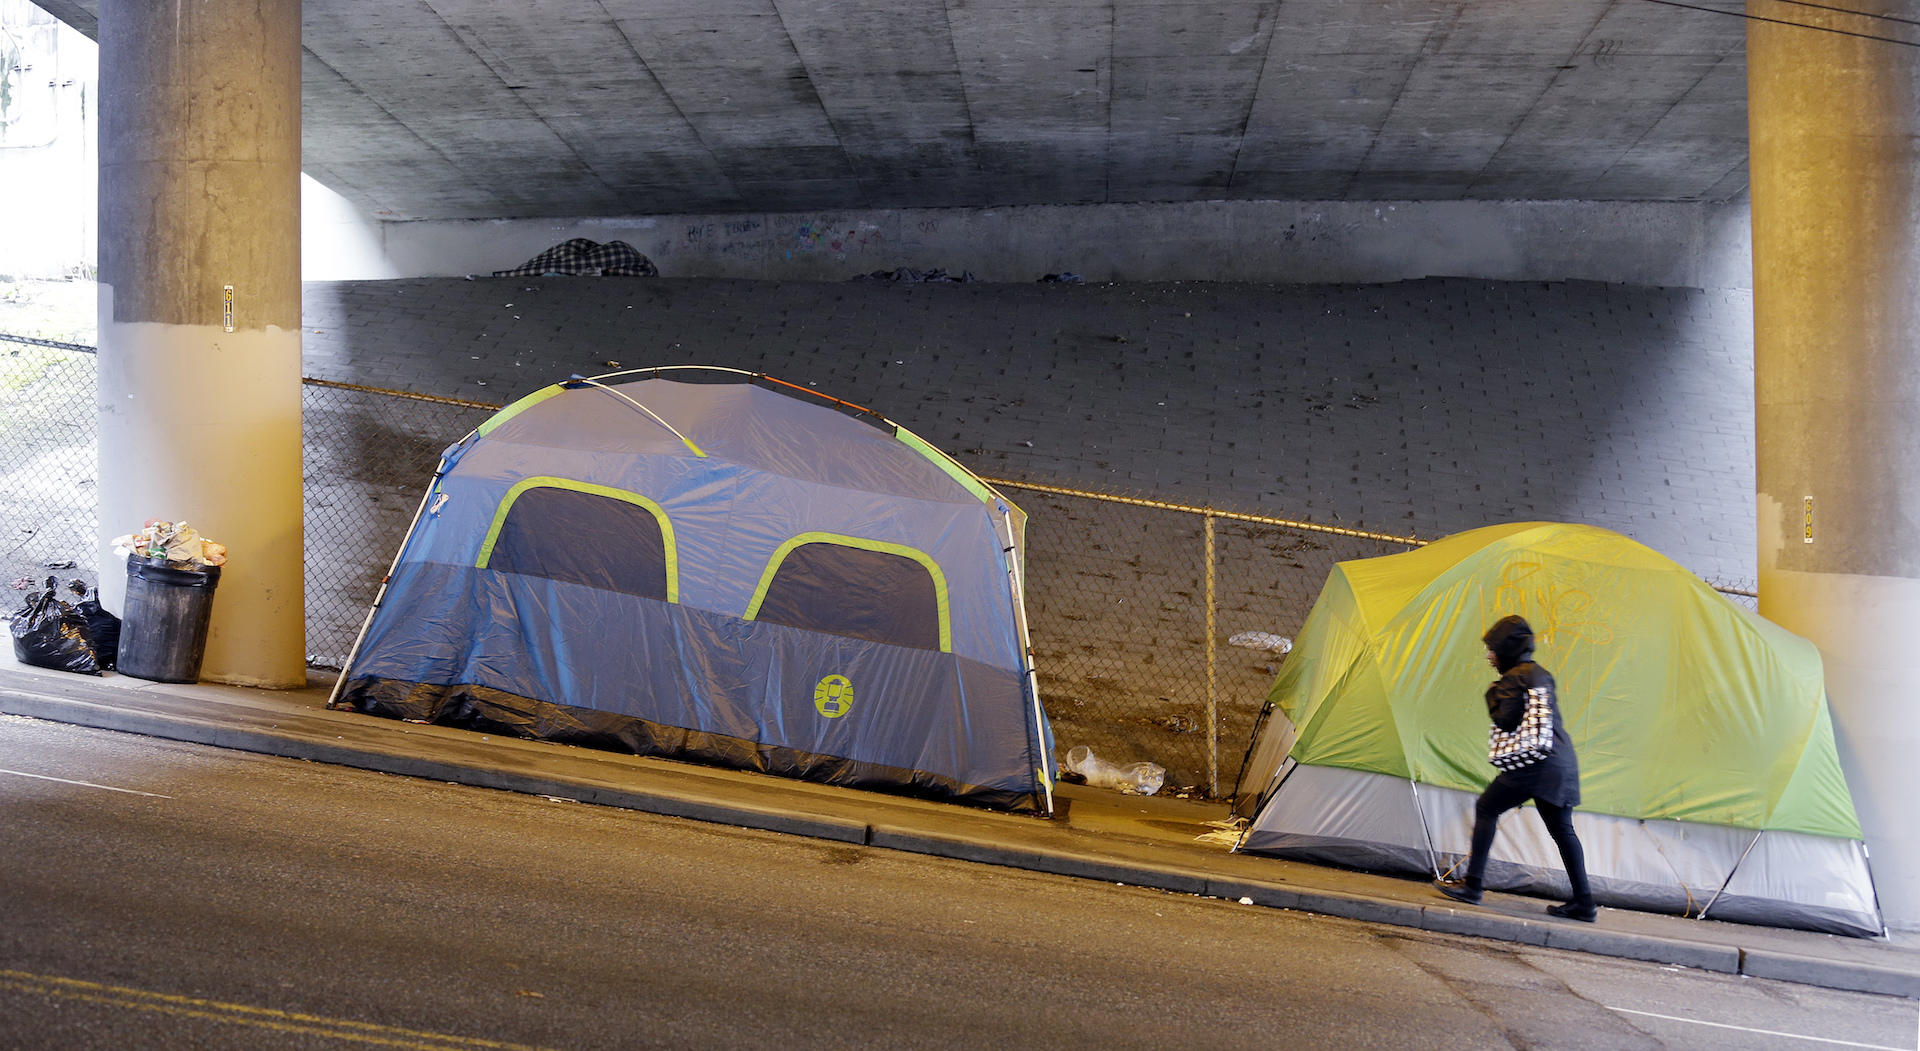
{"type": "Point", "coordinates": [48, 633]}
{"type": "Point", "coordinates": [103, 629]}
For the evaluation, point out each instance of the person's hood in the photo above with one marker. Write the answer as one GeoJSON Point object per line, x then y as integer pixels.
{"type": "Point", "coordinates": [1511, 642]}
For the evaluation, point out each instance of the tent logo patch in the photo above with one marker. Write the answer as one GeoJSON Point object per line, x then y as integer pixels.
{"type": "Point", "coordinates": [833, 696]}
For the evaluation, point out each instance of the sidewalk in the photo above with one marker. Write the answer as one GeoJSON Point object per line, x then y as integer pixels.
{"type": "Point", "coordinates": [1097, 834]}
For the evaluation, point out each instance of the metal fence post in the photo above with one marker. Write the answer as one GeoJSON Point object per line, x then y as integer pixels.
{"type": "Point", "coordinates": [1213, 683]}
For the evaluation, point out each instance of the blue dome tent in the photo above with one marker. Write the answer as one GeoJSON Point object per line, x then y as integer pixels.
{"type": "Point", "coordinates": [719, 566]}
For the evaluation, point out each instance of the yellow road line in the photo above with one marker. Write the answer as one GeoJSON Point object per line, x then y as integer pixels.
{"type": "Point", "coordinates": [241, 1014]}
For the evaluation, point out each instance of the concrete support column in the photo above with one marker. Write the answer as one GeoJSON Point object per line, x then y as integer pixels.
{"type": "Point", "coordinates": [1834, 122]}
{"type": "Point", "coordinates": [199, 402]}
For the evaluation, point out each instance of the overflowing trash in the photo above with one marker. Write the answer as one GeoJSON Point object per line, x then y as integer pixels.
{"type": "Point", "coordinates": [49, 632]}
{"type": "Point", "coordinates": [170, 542]}
{"type": "Point", "coordinates": [1138, 779]}
{"type": "Point", "coordinates": [172, 571]}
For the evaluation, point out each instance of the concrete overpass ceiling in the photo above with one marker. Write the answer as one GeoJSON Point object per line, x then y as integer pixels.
{"type": "Point", "coordinates": [443, 109]}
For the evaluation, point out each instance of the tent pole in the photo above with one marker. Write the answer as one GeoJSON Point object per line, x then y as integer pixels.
{"type": "Point", "coordinates": [684, 440]}
{"type": "Point", "coordinates": [1259, 721]}
{"type": "Point", "coordinates": [1867, 856]}
{"type": "Point", "coordinates": [1213, 678]}
{"type": "Point", "coordinates": [1017, 592]}
{"type": "Point", "coordinates": [1246, 829]}
{"type": "Point", "coordinates": [1285, 771]}
{"type": "Point", "coordinates": [1736, 868]}
{"type": "Point", "coordinates": [1433, 856]}
{"type": "Point", "coordinates": [333, 696]}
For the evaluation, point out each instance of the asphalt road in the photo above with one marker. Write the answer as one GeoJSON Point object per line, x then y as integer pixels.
{"type": "Point", "coordinates": [157, 894]}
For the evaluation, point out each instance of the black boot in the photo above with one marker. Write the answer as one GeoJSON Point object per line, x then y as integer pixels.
{"type": "Point", "coordinates": [1461, 892]}
{"type": "Point", "coordinates": [1583, 911]}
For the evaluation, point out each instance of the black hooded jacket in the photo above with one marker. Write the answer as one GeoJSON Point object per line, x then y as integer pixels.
{"type": "Point", "coordinates": [1555, 779]}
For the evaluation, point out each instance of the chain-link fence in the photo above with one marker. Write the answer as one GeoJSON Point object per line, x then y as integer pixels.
{"type": "Point", "coordinates": [369, 456]}
{"type": "Point", "coordinates": [1742, 595]}
{"type": "Point", "coordinates": [48, 460]}
{"type": "Point", "coordinates": [1156, 627]}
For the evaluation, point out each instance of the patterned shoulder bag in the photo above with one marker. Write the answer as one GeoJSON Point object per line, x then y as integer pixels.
{"type": "Point", "coordinates": [1529, 742]}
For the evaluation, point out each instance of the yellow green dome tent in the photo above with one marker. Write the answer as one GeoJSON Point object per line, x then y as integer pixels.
{"type": "Point", "coordinates": [1709, 777]}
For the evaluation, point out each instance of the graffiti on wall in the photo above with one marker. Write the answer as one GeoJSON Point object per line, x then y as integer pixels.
{"type": "Point", "coordinates": [815, 237]}
{"type": "Point", "coordinates": [727, 237]}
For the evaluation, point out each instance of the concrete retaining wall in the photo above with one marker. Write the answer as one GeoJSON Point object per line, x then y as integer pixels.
{"type": "Point", "coordinates": [1670, 245]}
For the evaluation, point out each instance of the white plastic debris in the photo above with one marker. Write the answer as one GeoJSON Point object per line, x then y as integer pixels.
{"type": "Point", "coordinates": [1266, 641]}
{"type": "Point", "coordinates": [1140, 779]}
{"type": "Point", "coordinates": [171, 542]}
{"type": "Point", "coordinates": [1219, 838]}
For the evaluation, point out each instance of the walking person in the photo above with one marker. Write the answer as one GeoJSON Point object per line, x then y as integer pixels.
{"type": "Point", "coordinates": [1549, 776]}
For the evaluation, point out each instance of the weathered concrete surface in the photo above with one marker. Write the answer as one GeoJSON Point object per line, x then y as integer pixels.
{"type": "Point", "coordinates": [199, 400]}
{"type": "Point", "coordinates": [1425, 406]}
{"type": "Point", "coordinates": [1668, 244]}
{"type": "Point", "coordinates": [496, 108]}
{"type": "Point", "coordinates": [1836, 218]}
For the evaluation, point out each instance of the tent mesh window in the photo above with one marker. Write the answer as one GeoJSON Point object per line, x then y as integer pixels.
{"type": "Point", "coordinates": [841, 590]}
{"type": "Point", "coordinates": [614, 545]}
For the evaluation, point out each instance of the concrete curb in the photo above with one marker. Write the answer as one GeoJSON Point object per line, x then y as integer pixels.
{"type": "Point", "coordinates": [1443, 919]}
{"type": "Point", "coordinates": [1831, 974]}
{"type": "Point", "coordinates": [297, 746]}
{"type": "Point", "coordinates": [1059, 863]}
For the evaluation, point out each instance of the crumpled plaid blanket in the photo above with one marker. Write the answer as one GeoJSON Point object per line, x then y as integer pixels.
{"type": "Point", "coordinates": [581, 257]}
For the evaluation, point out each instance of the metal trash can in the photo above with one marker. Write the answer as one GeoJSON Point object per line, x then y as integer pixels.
{"type": "Point", "coordinates": [163, 628]}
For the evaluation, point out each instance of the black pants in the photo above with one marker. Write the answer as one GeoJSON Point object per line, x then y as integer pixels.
{"type": "Point", "coordinates": [1502, 796]}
